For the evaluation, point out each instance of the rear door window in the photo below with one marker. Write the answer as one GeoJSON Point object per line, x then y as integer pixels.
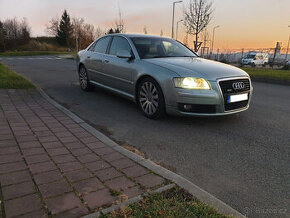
{"type": "Point", "coordinates": [102, 45]}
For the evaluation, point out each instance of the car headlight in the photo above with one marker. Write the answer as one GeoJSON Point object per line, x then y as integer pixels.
{"type": "Point", "coordinates": [191, 83]}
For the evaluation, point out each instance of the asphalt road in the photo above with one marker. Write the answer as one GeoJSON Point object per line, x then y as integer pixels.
{"type": "Point", "coordinates": [244, 159]}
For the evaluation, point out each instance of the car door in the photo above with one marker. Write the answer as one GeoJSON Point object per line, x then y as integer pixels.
{"type": "Point", "coordinates": [96, 60]}
{"type": "Point", "coordinates": [120, 70]}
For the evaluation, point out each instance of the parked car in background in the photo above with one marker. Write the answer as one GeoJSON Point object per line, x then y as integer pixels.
{"type": "Point", "coordinates": [163, 76]}
{"type": "Point", "coordinates": [255, 58]}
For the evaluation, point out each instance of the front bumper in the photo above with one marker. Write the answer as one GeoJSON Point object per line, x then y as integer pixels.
{"type": "Point", "coordinates": [203, 102]}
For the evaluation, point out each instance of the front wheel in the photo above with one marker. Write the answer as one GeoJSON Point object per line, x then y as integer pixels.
{"type": "Point", "coordinates": [151, 99]}
{"type": "Point", "coordinates": [84, 79]}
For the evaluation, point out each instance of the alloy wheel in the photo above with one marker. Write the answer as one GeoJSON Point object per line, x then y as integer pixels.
{"type": "Point", "coordinates": [148, 98]}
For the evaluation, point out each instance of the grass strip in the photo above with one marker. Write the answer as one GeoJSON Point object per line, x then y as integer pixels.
{"type": "Point", "coordinates": [274, 74]}
{"type": "Point", "coordinates": [11, 80]}
{"type": "Point", "coordinates": [173, 203]}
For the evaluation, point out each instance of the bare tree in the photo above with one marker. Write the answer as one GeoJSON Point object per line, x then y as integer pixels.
{"type": "Point", "coordinates": [196, 17]}
{"type": "Point", "coordinates": [161, 32]}
{"type": "Point", "coordinates": [52, 27]}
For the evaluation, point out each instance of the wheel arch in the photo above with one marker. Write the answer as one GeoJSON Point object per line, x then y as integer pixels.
{"type": "Point", "coordinates": [142, 78]}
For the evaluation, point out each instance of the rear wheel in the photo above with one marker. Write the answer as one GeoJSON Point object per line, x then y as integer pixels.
{"type": "Point", "coordinates": [151, 99]}
{"type": "Point", "coordinates": [84, 79]}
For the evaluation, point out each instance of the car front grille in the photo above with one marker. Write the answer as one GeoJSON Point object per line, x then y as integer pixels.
{"type": "Point", "coordinates": [228, 89]}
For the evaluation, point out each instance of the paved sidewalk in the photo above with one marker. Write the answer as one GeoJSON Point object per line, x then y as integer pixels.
{"type": "Point", "coordinates": [50, 165]}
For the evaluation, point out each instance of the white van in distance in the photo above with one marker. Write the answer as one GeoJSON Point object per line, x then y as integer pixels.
{"type": "Point", "coordinates": [255, 58]}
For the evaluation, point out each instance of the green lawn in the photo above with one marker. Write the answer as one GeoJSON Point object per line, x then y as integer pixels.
{"type": "Point", "coordinates": [170, 204]}
{"type": "Point", "coordinates": [33, 53]}
{"type": "Point", "coordinates": [268, 73]}
{"type": "Point", "coordinates": [11, 80]}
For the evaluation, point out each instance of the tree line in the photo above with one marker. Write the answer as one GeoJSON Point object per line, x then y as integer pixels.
{"type": "Point", "coordinates": [13, 33]}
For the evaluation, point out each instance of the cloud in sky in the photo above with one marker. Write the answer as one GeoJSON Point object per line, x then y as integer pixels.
{"type": "Point", "coordinates": [244, 23]}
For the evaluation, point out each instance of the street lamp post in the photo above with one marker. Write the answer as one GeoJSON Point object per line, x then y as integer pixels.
{"type": "Point", "coordinates": [172, 31]}
{"type": "Point", "coordinates": [212, 42]}
{"type": "Point", "coordinates": [287, 47]}
{"type": "Point", "coordinates": [177, 29]}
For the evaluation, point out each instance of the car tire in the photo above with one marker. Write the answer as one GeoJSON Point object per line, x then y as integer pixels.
{"type": "Point", "coordinates": [84, 79]}
{"type": "Point", "coordinates": [150, 99]}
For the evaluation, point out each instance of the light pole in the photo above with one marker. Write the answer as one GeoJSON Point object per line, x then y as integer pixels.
{"type": "Point", "coordinates": [172, 31]}
{"type": "Point", "coordinates": [177, 28]}
{"type": "Point", "coordinates": [287, 47]}
{"type": "Point", "coordinates": [212, 42]}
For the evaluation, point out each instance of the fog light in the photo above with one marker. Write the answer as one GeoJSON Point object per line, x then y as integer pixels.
{"type": "Point", "coordinates": [187, 107]}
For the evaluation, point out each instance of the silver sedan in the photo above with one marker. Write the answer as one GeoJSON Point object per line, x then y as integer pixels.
{"type": "Point", "coordinates": [163, 76]}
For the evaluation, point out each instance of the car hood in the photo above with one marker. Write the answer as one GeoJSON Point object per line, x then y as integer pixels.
{"type": "Point", "coordinates": [198, 67]}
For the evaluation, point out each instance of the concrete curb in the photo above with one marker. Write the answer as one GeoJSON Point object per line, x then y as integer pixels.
{"type": "Point", "coordinates": [193, 189]}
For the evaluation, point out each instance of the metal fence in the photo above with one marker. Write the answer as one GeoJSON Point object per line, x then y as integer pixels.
{"type": "Point", "coordinates": [235, 56]}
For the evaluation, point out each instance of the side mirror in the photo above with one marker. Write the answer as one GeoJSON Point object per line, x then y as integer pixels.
{"type": "Point", "coordinates": [124, 54]}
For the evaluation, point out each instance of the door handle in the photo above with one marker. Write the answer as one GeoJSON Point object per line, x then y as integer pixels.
{"type": "Point", "coordinates": [106, 61]}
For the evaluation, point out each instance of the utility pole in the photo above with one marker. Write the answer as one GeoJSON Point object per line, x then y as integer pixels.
{"type": "Point", "coordinates": [212, 43]}
{"type": "Point", "coordinates": [172, 31]}
{"type": "Point", "coordinates": [177, 29]}
{"type": "Point", "coordinates": [287, 48]}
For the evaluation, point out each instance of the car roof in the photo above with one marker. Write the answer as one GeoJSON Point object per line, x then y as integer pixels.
{"type": "Point", "coordinates": [132, 35]}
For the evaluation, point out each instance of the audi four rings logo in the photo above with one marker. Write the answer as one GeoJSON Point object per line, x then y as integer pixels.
{"type": "Point", "coordinates": [238, 85]}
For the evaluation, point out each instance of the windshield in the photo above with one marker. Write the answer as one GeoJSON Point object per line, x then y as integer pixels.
{"type": "Point", "coordinates": [250, 56]}
{"type": "Point", "coordinates": [160, 48]}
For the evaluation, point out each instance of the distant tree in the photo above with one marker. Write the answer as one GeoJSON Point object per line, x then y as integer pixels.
{"type": "Point", "coordinates": [112, 30]}
{"type": "Point", "coordinates": [65, 30]}
{"type": "Point", "coordinates": [185, 39]}
{"type": "Point", "coordinates": [2, 37]}
{"type": "Point", "coordinates": [14, 34]}
{"type": "Point", "coordinates": [161, 32]}
{"type": "Point", "coordinates": [52, 27]}
{"type": "Point", "coordinates": [196, 17]}
{"type": "Point", "coordinates": [145, 30]}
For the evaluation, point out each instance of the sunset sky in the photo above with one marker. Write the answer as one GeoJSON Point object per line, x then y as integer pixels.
{"type": "Point", "coordinates": [243, 23]}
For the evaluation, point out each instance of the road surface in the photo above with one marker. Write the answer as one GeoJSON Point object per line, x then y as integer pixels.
{"type": "Point", "coordinates": [244, 159]}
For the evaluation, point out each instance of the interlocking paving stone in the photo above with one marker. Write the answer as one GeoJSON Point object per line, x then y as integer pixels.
{"type": "Point", "coordinates": [37, 158]}
{"type": "Point", "coordinates": [88, 185]}
{"type": "Point", "coordinates": [108, 173]}
{"type": "Point", "coordinates": [42, 167]}
{"type": "Point", "coordinates": [120, 183]}
{"type": "Point", "coordinates": [96, 145]}
{"type": "Point", "coordinates": [88, 158]}
{"type": "Point", "coordinates": [33, 151]}
{"type": "Point", "coordinates": [31, 144]}
{"type": "Point", "coordinates": [14, 178]}
{"type": "Point", "coordinates": [113, 156]}
{"type": "Point", "coordinates": [89, 139]}
{"type": "Point", "coordinates": [72, 145]}
{"type": "Point", "coordinates": [68, 139]}
{"type": "Point", "coordinates": [47, 139]}
{"type": "Point", "coordinates": [22, 205]}
{"type": "Point", "coordinates": [9, 150]}
{"type": "Point", "coordinates": [47, 177]}
{"type": "Point", "coordinates": [7, 143]}
{"type": "Point", "coordinates": [99, 198]}
{"type": "Point", "coordinates": [70, 166]}
{"type": "Point", "coordinates": [98, 165]}
{"type": "Point", "coordinates": [80, 151]}
{"type": "Point", "coordinates": [57, 151]}
{"type": "Point", "coordinates": [55, 144]}
{"type": "Point", "coordinates": [18, 190]}
{"type": "Point", "coordinates": [63, 203]}
{"type": "Point", "coordinates": [133, 192]}
{"type": "Point", "coordinates": [103, 151]}
{"type": "Point", "coordinates": [64, 158]}
{"type": "Point", "coordinates": [54, 188]}
{"type": "Point", "coordinates": [123, 163]}
{"type": "Point", "coordinates": [74, 213]}
{"type": "Point", "coordinates": [150, 180]}
{"type": "Point", "coordinates": [35, 214]}
{"type": "Point", "coordinates": [10, 167]}
{"type": "Point", "coordinates": [78, 175]}
{"type": "Point", "coordinates": [10, 158]}
{"type": "Point", "coordinates": [135, 171]}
